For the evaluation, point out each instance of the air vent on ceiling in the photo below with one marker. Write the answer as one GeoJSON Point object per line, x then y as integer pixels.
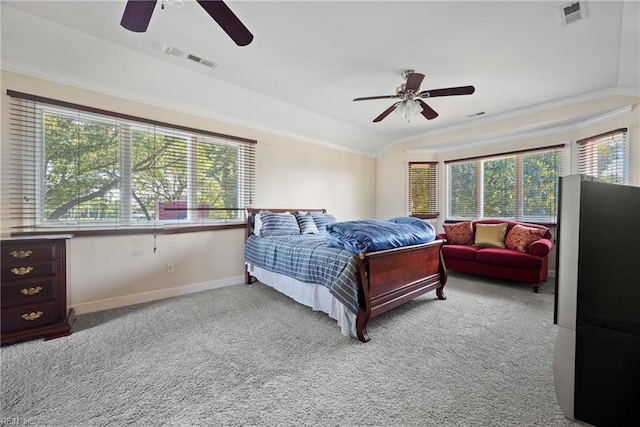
{"type": "Point", "coordinates": [174, 51]}
{"type": "Point", "coordinates": [208, 63]}
{"type": "Point", "coordinates": [572, 12]}
{"type": "Point", "coordinates": [201, 61]}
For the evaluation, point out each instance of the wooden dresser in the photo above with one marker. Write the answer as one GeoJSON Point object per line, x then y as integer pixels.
{"type": "Point", "coordinates": [33, 281]}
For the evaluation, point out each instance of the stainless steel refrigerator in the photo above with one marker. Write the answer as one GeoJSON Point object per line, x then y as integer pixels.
{"type": "Point", "coordinates": [596, 363]}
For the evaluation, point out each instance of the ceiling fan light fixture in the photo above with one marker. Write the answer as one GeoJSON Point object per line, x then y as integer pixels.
{"type": "Point", "coordinates": [408, 108]}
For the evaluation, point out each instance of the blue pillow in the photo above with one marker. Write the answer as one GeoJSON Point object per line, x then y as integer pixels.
{"type": "Point", "coordinates": [278, 224]}
{"type": "Point", "coordinates": [306, 223]}
{"type": "Point", "coordinates": [322, 220]}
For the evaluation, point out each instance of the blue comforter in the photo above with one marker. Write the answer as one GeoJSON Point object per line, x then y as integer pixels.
{"type": "Point", "coordinates": [308, 259]}
{"type": "Point", "coordinates": [375, 235]}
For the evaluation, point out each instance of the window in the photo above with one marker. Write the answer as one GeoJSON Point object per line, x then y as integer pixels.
{"type": "Point", "coordinates": [605, 156]}
{"type": "Point", "coordinates": [80, 166]}
{"type": "Point", "coordinates": [422, 189]}
{"type": "Point", "coordinates": [519, 185]}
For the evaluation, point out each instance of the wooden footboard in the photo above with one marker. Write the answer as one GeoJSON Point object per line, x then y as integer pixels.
{"type": "Point", "coordinates": [392, 277]}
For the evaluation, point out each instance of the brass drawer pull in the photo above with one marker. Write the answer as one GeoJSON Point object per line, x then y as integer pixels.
{"type": "Point", "coordinates": [21, 254]}
{"type": "Point", "coordinates": [31, 291]}
{"type": "Point", "coordinates": [32, 316]}
{"type": "Point", "coordinates": [22, 270]}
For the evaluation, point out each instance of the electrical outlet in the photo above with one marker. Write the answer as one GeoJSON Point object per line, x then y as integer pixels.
{"type": "Point", "coordinates": [170, 267]}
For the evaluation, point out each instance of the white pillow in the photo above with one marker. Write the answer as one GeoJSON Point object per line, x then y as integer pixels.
{"type": "Point", "coordinates": [257, 224]}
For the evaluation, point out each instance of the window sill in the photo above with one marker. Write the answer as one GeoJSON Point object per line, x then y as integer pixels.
{"type": "Point", "coordinates": [426, 215]}
{"type": "Point", "coordinates": [91, 232]}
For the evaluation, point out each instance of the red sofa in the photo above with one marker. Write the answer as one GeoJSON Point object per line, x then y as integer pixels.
{"type": "Point", "coordinates": [530, 266]}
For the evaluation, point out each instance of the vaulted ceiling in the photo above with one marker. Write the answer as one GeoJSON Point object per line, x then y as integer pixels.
{"type": "Point", "coordinates": [309, 59]}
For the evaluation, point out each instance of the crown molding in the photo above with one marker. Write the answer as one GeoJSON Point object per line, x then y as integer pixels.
{"type": "Point", "coordinates": [519, 113]}
{"type": "Point", "coordinates": [627, 91]}
{"type": "Point", "coordinates": [607, 116]}
{"type": "Point", "coordinates": [182, 108]}
{"type": "Point", "coordinates": [450, 146]}
{"type": "Point", "coordinates": [38, 73]}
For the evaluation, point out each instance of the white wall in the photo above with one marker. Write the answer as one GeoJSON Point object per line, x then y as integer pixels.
{"type": "Point", "coordinates": [111, 271]}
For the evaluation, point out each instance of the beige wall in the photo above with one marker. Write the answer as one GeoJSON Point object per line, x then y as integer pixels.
{"type": "Point", "coordinates": [293, 174]}
{"type": "Point", "coordinates": [112, 271]}
{"type": "Point", "coordinates": [489, 138]}
{"type": "Point", "coordinates": [391, 170]}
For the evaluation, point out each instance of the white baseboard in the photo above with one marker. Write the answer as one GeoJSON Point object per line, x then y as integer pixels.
{"type": "Point", "coordinates": [551, 273]}
{"type": "Point", "coordinates": [122, 301]}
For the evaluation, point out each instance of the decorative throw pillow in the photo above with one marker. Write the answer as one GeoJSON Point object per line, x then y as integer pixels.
{"type": "Point", "coordinates": [306, 223]}
{"type": "Point", "coordinates": [521, 237]}
{"type": "Point", "coordinates": [322, 220]}
{"type": "Point", "coordinates": [459, 233]}
{"type": "Point", "coordinates": [281, 224]}
{"type": "Point", "coordinates": [490, 235]}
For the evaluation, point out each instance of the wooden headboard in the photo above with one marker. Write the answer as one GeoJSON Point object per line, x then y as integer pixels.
{"type": "Point", "coordinates": [251, 213]}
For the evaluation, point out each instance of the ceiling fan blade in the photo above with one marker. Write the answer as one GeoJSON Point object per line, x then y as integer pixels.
{"type": "Point", "coordinates": [229, 22]}
{"type": "Point", "coordinates": [428, 112]}
{"type": "Point", "coordinates": [414, 80]}
{"type": "Point", "coordinates": [461, 90]}
{"type": "Point", "coordinates": [368, 98]}
{"type": "Point", "coordinates": [386, 112]}
{"type": "Point", "coordinates": [137, 14]}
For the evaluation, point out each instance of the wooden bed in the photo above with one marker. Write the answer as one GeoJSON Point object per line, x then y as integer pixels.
{"type": "Point", "coordinates": [386, 279]}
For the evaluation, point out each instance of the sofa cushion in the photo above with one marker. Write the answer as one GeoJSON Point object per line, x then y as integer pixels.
{"type": "Point", "coordinates": [521, 237]}
{"type": "Point", "coordinates": [508, 257]}
{"type": "Point", "coordinates": [510, 224]}
{"type": "Point", "coordinates": [459, 233]}
{"type": "Point", "coordinates": [459, 252]}
{"type": "Point", "coordinates": [490, 235]}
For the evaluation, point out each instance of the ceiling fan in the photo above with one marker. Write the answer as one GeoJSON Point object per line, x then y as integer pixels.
{"type": "Point", "coordinates": [411, 96]}
{"type": "Point", "coordinates": [137, 14]}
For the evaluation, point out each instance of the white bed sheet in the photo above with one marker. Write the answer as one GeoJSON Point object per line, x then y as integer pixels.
{"type": "Point", "coordinates": [312, 295]}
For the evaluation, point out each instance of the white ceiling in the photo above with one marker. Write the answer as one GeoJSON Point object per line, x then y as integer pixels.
{"type": "Point", "coordinates": [309, 59]}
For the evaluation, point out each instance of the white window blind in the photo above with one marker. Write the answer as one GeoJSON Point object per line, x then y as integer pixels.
{"type": "Point", "coordinates": [79, 166]}
{"type": "Point", "coordinates": [422, 189]}
{"type": "Point", "coordinates": [605, 156]}
{"type": "Point", "coordinates": [519, 185]}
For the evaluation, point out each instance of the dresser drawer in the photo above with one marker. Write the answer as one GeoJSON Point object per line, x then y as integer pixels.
{"type": "Point", "coordinates": [26, 270]}
{"type": "Point", "coordinates": [29, 316]}
{"type": "Point", "coordinates": [33, 288]}
{"type": "Point", "coordinates": [27, 252]}
{"type": "Point", "coordinates": [28, 291]}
